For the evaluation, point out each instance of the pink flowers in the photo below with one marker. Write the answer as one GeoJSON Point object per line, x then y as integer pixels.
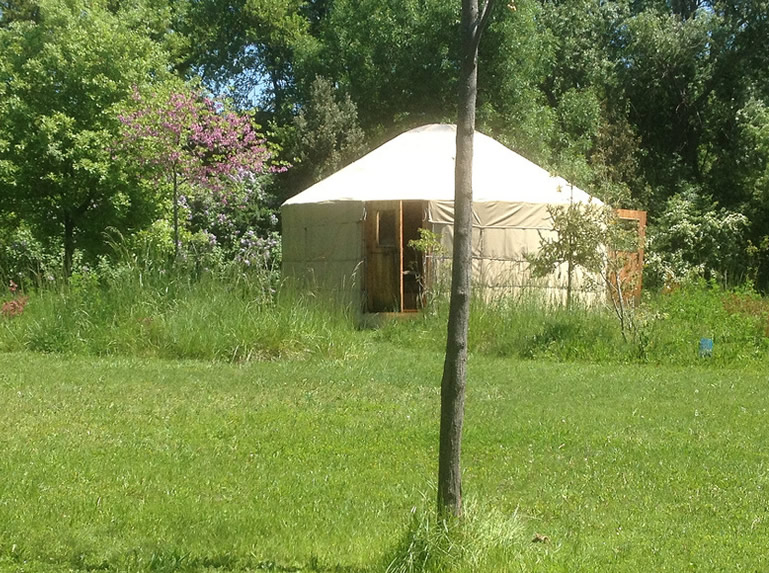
{"type": "Point", "coordinates": [15, 306]}
{"type": "Point", "coordinates": [195, 137]}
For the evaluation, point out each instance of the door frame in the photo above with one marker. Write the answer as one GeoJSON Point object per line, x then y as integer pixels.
{"type": "Point", "coordinates": [377, 271]}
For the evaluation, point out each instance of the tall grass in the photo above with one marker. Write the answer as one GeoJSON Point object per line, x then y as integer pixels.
{"type": "Point", "coordinates": [152, 312]}
{"type": "Point", "coordinates": [666, 329]}
{"type": "Point", "coordinates": [485, 539]}
{"type": "Point", "coordinates": [139, 309]}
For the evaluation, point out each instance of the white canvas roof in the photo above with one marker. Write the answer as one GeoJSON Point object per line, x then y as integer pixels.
{"type": "Point", "coordinates": [419, 165]}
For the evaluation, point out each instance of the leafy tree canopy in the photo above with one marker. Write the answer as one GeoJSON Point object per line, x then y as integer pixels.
{"type": "Point", "coordinates": [652, 99]}
{"type": "Point", "coordinates": [62, 78]}
{"type": "Point", "coordinates": [180, 135]}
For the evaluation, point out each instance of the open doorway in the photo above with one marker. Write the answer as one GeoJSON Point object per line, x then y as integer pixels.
{"type": "Point", "coordinates": [394, 271]}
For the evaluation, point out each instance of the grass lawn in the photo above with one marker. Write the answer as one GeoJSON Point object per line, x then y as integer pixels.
{"type": "Point", "coordinates": [150, 465]}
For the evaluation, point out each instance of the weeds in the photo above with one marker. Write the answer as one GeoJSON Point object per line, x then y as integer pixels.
{"type": "Point", "coordinates": [483, 540]}
{"type": "Point", "coordinates": [150, 311]}
{"type": "Point", "coordinates": [145, 309]}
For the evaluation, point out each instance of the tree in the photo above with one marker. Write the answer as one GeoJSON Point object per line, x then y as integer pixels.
{"type": "Point", "coordinates": [7, 168]}
{"type": "Point", "coordinates": [578, 241]}
{"type": "Point", "coordinates": [258, 48]}
{"type": "Point", "coordinates": [693, 238]}
{"type": "Point", "coordinates": [62, 75]}
{"type": "Point", "coordinates": [183, 136]}
{"type": "Point", "coordinates": [322, 138]}
{"type": "Point", "coordinates": [398, 59]}
{"type": "Point", "coordinates": [517, 54]}
{"type": "Point", "coordinates": [594, 238]}
{"type": "Point", "coordinates": [455, 365]}
{"type": "Point", "coordinates": [667, 78]}
{"type": "Point", "coordinates": [16, 10]}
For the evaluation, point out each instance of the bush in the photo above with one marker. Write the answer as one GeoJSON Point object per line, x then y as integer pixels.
{"type": "Point", "coordinates": [693, 239]}
{"type": "Point", "coordinates": [25, 260]}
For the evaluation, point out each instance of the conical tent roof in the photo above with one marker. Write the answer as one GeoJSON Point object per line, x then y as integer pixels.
{"type": "Point", "coordinates": [419, 165]}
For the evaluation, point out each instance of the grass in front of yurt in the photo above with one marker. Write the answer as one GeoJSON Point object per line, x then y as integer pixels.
{"type": "Point", "coordinates": [665, 329]}
{"type": "Point", "coordinates": [240, 318]}
{"type": "Point", "coordinates": [227, 317]}
{"type": "Point", "coordinates": [128, 464]}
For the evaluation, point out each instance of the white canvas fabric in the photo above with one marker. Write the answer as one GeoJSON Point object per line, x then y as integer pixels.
{"type": "Point", "coordinates": [419, 165]}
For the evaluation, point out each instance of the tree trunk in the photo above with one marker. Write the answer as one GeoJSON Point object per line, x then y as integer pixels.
{"type": "Point", "coordinates": [455, 365]}
{"type": "Point", "coordinates": [176, 215]}
{"type": "Point", "coordinates": [69, 244]}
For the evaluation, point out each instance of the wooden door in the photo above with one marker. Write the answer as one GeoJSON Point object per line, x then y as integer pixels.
{"type": "Point", "coordinates": [383, 256]}
{"type": "Point", "coordinates": [413, 272]}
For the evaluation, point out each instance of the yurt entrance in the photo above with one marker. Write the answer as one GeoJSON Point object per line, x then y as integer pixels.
{"type": "Point", "coordinates": [394, 271]}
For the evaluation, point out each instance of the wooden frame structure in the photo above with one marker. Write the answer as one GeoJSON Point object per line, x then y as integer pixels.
{"type": "Point", "coordinates": [632, 272]}
{"type": "Point", "coordinates": [394, 272]}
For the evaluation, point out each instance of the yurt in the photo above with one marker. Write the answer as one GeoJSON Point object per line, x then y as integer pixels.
{"type": "Point", "coordinates": [350, 233]}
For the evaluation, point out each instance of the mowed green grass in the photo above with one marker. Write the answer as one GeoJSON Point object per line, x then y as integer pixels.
{"type": "Point", "coordinates": [149, 465]}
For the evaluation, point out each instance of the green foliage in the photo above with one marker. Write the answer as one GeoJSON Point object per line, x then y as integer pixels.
{"type": "Point", "coordinates": [757, 259]}
{"type": "Point", "coordinates": [694, 238]}
{"type": "Point", "coordinates": [25, 259]}
{"type": "Point", "coordinates": [18, 11]}
{"type": "Point", "coordinates": [428, 243]}
{"type": "Point", "coordinates": [180, 135]}
{"type": "Point", "coordinates": [754, 122]}
{"type": "Point", "coordinates": [669, 65]}
{"type": "Point", "coordinates": [257, 50]}
{"type": "Point", "coordinates": [62, 78]}
{"type": "Point", "coordinates": [579, 231]}
{"type": "Point", "coordinates": [323, 137]}
{"type": "Point", "coordinates": [516, 60]}
{"type": "Point", "coordinates": [753, 164]}
{"type": "Point", "coordinates": [369, 47]}
{"type": "Point", "coordinates": [642, 99]}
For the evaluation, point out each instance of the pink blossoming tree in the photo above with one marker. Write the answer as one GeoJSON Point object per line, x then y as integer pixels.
{"type": "Point", "coordinates": [181, 135]}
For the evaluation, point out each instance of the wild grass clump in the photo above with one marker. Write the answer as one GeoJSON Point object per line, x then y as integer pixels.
{"type": "Point", "coordinates": [143, 308]}
{"type": "Point", "coordinates": [521, 327]}
{"type": "Point", "coordinates": [528, 328]}
{"type": "Point", "coordinates": [665, 328]}
{"type": "Point", "coordinates": [139, 311]}
{"type": "Point", "coordinates": [736, 320]}
{"type": "Point", "coordinates": [484, 539]}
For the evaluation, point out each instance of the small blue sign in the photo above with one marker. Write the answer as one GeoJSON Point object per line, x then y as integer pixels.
{"type": "Point", "coordinates": [706, 347]}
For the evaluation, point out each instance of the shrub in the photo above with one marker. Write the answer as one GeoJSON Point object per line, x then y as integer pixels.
{"type": "Point", "coordinates": [694, 238]}
{"type": "Point", "coordinates": [25, 260]}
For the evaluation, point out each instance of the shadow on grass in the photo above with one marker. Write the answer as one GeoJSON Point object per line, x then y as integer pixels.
{"type": "Point", "coordinates": [225, 563]}
{"type": "Point", "coordinates": [168, 562]}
